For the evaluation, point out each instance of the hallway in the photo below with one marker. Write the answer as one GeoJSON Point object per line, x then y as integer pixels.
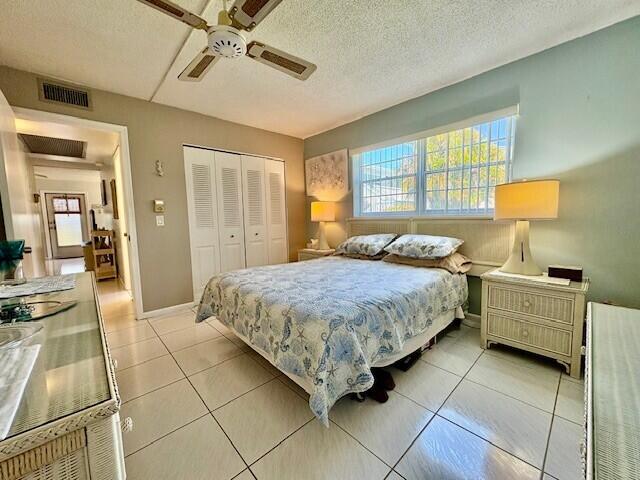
{"type": "Point", "coordinates": [116, 304]}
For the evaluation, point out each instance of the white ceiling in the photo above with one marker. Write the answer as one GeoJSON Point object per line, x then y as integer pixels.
{"type": "Point", "coordinates": [371, 54]}
{"type": "Point", "coordinates": [68, 174]}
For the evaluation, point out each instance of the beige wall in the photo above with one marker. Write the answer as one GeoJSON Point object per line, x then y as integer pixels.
{"type": "Point", "coordinates": [88, 185]}
{"type": "Point", "coordinates": [157, 132]}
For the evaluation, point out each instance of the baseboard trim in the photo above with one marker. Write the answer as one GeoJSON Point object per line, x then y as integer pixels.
{"type": "Point", "coordinates": [471, 320]}
{"type": "Point", "coordinates": [166, 310]}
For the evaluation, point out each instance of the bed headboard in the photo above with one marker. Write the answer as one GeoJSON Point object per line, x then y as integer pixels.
{"type": "Point", "coordinates": [486, 243]}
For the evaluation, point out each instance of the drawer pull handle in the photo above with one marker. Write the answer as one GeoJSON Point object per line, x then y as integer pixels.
{"type": "Point", "coordinates": [525, 333]}
{"type": "Point", "coordinates": [527, 303]}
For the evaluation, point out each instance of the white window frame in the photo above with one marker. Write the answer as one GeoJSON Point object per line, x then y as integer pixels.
{"type": "Point", "coordinates": [420, 183]}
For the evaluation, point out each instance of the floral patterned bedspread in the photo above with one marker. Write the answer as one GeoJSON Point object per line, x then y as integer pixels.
{"type": "Point", "coordinates": [332, 318]}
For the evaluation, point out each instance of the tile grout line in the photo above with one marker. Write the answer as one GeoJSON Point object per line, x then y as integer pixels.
{"type": "Point", "coordinates": [152, 390]}
{"type": "Point", "coordinates": [169, 352]}
{"type": "Point", "coordinates": [205, 406]}
{"type": "Point", "coordinates": [282, 441]}
{"type": "Point", "coordinates": [364, 446]}
{"type": "Point", "coordinates": [279, 378]}
{"type": "Point", "coordinates": [435, 414]}
{"type": "Point", "coordinates": [473, 433]}
{"type": "Point", "coordinates": [419, 433]}
{"type": "Point", "coordinates": [165, 435]}
{"type": "Point", "coordinates": [197, 343]}
{"type": "Point", "coordinates": [511, 396]}
{"type": "Point", "coordinates": [546, 448]}
{"type": "Point", "coordinates": [242, 395]}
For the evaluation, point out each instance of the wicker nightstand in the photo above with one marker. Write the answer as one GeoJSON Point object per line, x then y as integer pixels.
{"type": "Point", "coordinates": [310, 253]}
{"type": "Point", "coordinates": [543, 318]}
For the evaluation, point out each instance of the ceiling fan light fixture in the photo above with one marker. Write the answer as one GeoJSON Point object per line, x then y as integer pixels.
{"type": "Point", "coordinates": [227, 42]}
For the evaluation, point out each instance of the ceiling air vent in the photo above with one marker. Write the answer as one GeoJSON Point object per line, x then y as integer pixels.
{"type": "Point", "coordinates": [61, 147]}
{"type": "Point", "coordinates": [65, 93]}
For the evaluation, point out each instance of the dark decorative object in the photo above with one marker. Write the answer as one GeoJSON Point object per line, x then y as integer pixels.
{"type": "Point", "coordinates": [114, 199]}
{"type": "Point", "coordinates": [103, 190]}
{"type": "Point", "coordinates": [11, 250]}
{"type": "Point", "coordinates": [570, 273]}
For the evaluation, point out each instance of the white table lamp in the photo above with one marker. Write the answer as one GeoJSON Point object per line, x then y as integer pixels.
{"type": "Point", "coordinates": [523, 201]}
{"type": "Point", "coordinates": [323, 212]}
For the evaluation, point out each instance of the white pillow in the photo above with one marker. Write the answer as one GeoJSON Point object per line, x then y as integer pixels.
{"type": "Point", "coordinates": [424, 246]}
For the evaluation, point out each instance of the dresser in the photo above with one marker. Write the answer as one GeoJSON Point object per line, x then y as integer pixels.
{"type": "Point", "coordinates": [544, 318]}
{"type": "Point", "coordinates": [63, 423]}
{"type": "Point", "coordinates": [612, 393]}
{"type": "Point", "coordinates": [311, 253]}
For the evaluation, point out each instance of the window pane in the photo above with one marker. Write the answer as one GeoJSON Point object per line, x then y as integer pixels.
{"type": "Point", "coordinates": [388, 179]}
{"type": "Point", "coordinates": [474, 161]}
{"type": "Point", "coordinates": [458, 172]}
{"type": "Point", "coordinates": [68, 229]}
{"type": "Point", "coordinates": [73, 204]}
{"type": "Point", "coordinates": [59, 204]}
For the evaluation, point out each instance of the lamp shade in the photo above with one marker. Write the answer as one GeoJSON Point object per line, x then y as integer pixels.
{"type": "Point", "coordinates": [323, 212]}
{"type": "Point", "coordinates": [527, 200]}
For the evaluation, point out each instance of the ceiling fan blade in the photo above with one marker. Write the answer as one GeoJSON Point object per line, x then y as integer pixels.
{"type": "Point", "coordinates": [198, 66]}
{"type": "Point", "coordinates": [177, 12]}
{"type": "Point", "coordinates": [285, 62]}
{"type": "Point", "coordinates": [246, 14]}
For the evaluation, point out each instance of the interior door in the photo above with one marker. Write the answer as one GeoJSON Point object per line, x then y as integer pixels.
{"type": "Point", "coordinates": [203, 218]}
{"type": "Point", "coordinates": [230, 212]}
{"type": "Point", "coordinates": [255, 217]}
{"type": "Point", "coordinates": [276, 212]}
{"type": "Point", "coordinates": [67, 223]}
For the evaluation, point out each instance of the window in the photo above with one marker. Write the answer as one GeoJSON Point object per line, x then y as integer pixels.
{"type": "Point", "coordinates": [452, 171]}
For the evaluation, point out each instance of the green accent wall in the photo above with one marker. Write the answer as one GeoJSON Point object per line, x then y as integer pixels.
{"type": "Point", "coordinates": [579, 122]}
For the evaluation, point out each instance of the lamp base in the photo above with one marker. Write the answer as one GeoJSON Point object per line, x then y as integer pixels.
{"type": "Point", "coordinates": [520, 261]}
{"type": "Point", "coordinates": [322, 241]}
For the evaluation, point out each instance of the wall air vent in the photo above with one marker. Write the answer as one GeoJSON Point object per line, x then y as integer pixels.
{"type": "Point", "coordinates": [59, 92]}
{"type": "Point", "coordinates": [61, 147]}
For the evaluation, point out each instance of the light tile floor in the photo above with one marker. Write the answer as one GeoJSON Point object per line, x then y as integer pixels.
{"type": "Point", "coordinates": [205, 407]}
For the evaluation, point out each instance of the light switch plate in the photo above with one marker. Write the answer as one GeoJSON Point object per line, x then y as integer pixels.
{"type": "Point", "coordinates": [159, 220]}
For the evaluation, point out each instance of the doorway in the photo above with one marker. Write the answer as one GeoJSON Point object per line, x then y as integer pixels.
{"type": "Point", "coordinates": [67, 224]}
{"type": "Point", "coordinates": [89, 193]}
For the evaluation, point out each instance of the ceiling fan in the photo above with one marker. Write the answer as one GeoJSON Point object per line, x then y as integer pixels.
{"type": "Point", "coordinates": [226, 39]}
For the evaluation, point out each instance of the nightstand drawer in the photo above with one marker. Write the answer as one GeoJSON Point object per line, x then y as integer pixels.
{"type": "Point", "coordinates": [551, 307]}
{"type": "Point", "coordinates": [519, 330]}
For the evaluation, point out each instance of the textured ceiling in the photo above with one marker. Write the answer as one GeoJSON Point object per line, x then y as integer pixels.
{"type": "Point", "coordinates": [371, 54]}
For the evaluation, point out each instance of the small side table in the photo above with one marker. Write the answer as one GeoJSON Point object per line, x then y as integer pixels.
{"type": "Point", "coordinates": [311, 253]}
{"type": "Point", "coordinates": [542, 318]}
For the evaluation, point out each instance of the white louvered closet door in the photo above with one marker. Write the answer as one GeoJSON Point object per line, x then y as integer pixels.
{"type": "Point", "coordinates": [230, 213]}
{"type": "Point", "coordinates": [276, 212]}
{"type": "Point", "coordinates": [203, 217]}
{"type": "Point", "coordinates": [255, 216]}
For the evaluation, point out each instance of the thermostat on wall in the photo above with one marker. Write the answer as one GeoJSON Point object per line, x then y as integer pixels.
{"type": "Point", "coordinates": [158, 206]}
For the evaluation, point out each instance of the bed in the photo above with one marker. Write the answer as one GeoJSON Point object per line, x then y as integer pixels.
{"type": "Point", "coordinates": [326, 322]}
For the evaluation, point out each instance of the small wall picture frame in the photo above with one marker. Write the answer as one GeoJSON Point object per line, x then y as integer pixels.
{"type": "Point", "coordinates": [327, 176]}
